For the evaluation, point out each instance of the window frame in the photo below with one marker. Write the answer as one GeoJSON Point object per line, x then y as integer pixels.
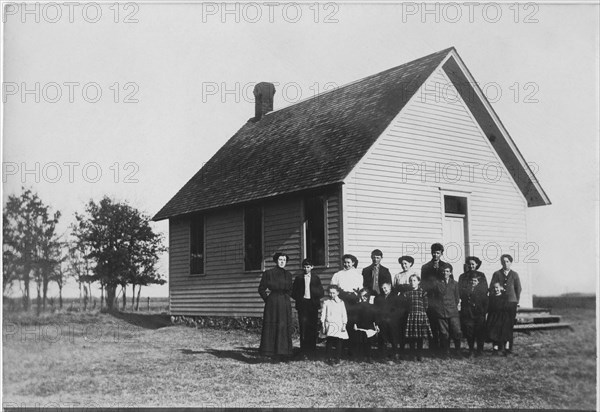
{"type": "Point", "coordinates": [305, 246]}
{"type": "Point", "coordinates": [194, 220]}
{"type": "Point", "coordinates": [262, 239]}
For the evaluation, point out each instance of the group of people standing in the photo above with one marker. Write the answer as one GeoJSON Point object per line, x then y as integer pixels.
{"type": "Point", "coordinates": [373, 306]}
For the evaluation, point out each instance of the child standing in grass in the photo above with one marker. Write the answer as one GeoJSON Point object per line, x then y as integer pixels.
{"type": "Point", "coordinates": [365, 325]}
{"type": "Point", "coordinates": [334, 319]}
{"type": "Point", "coordinates": [417, 324]}
{"type": "Point", "coordinates": [499, 320]}
{"type": "Point", "coordinates": [473, 307]}
{"type": "Point", "coordinates": [444, 304]}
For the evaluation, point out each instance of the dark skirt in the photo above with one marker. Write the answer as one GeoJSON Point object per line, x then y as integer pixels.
{"type": "Point", "coordinates": [499, 326]}
{"type": "Point", "coordinates": [277, 328]}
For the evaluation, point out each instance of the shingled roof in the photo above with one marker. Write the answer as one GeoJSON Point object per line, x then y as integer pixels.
{"type": "Point", "coordinates": [313, 143]}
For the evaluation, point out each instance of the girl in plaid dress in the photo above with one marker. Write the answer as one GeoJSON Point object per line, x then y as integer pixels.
{"type": "Point", "coordinates": [417, 324]}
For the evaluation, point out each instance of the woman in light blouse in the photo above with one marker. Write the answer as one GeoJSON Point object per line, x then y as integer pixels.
{"type": "Point", "coordinates": [400, 280]}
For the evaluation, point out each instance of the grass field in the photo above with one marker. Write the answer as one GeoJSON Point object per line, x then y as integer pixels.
{"type": "Point", "coordinates": [94, 359]}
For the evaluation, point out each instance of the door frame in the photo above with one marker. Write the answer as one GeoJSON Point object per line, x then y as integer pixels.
{"type": "Point", "coordinates": [467, 217]}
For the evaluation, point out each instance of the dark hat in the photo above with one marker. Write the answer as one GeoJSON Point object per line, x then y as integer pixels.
{"type": "Point", "coordinates": [409, 259]}
{"type": "Point", "coordinates": [474, 259]}
{"type": "Point", "coordinates": [279, 254]}
{"type": "Point", "coordinates": [377, 252]}
{"type": "Point", "coordinates": [307, 262]}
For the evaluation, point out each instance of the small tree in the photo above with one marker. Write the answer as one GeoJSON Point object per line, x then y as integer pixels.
{"type": "Point", "coordinates": [61, 273]}
{"type": "Point", "coordinates": [30, 240]}
{"type": "Point", "coordinates": [79, 266]}
{"type": "Point", "coordinates": [146, 280]}
{"type": "Point", "coordinates": [145, 272]}
{"type": "Point", "coordinates": [49, 259]}
{"type": "Point", "coordinates": [119, 240]}
{"type": "Point", "coordinates": [10, 269]}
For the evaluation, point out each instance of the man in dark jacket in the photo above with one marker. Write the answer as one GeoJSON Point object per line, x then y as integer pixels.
{"type": "Point", "coordinates": [431, 273]}
{"type": "Point", "coordinates": [375, 275]}
{"type": "Point", "coordinates": [307, 291]}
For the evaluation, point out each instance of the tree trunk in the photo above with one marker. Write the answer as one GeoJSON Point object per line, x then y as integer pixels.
{"type": "Point", "coordinates": [133, 296]}
{"type": "Point", "coordinates": [44, 290]}
{"type": "Point", "coordinates": [80, 294]}
{"type": "Point", "coordinates": [101, 296]}
{"type": "Point", "coordinates": [124, 289]}
{"type": "Point", "coordinates": [85, 297]}
{"type": "Point", "coordinates": [26, 294]}
{"type": "Point", "coordinates": [137, 305]}
{"type": "Point", "coordinates": [39, 299]}
{"type": "Point", "coordinates": [60, 302]}
{"type": "Point", "coordinates": [111, 292]}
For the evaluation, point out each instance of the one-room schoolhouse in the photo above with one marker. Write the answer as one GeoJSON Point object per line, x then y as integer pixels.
{"type": "Point", "coordinates": [395, 161]}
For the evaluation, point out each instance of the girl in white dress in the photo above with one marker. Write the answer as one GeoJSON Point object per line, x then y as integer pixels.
{"type": "Point", "coordinates": [334, 319]}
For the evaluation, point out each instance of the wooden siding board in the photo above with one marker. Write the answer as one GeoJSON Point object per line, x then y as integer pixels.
{"type": "Point", "coordinates": [397, 213]}
{"type": "Point", "coordinates": [225, 289]}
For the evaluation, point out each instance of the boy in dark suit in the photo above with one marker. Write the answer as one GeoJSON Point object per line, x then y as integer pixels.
{"type": "Point", "coordinates": [375, 275]}
{"type": "Point", "coordinates": [390, 309]}
{"type": "Point", "coordinates": [307, 291]}
{"type": "Point", "coordinates": [366, 324]}
{"type": "Point", "coordinates": [444, 305]}
{"type": "Point", "coordinates": [473, 308]}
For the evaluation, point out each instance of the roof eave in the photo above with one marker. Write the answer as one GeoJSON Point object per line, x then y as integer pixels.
{"type": "Point", "coordinates": [531, 189]}
{"type": "Point", "coordinates": [158, 217]}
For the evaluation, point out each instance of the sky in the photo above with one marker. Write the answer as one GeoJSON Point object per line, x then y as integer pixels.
{"type": "Point", "coordinates": [130, 99]}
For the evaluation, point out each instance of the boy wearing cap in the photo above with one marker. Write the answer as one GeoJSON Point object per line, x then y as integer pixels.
{"type": "Point", "coordinates": [375, 275]}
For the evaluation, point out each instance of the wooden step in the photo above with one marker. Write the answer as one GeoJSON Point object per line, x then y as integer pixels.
{"type": "Point", "coordinates": [536, 318]}
{"type": "Point", "coordinates": [533, 310]}
{"type": "Point", "coordinates": [540, 326]}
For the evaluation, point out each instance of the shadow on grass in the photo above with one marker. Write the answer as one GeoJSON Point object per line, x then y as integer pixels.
{"type": "Point", "coordinates": [241, 354]}
{"type": "Point", "coordinates": [146, 321]}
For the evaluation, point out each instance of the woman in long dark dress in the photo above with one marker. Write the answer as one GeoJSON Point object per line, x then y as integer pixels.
{"type": "Point", "coordinates": [276, 337]}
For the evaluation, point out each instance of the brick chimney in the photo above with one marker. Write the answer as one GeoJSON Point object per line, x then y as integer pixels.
{"type": "Point", "coordinates": [263, 99]}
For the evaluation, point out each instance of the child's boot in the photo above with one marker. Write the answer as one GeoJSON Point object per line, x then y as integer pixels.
{"type": "Point", "coordinates": [495, 349]}
{"type": "Point", "coordinates": [479, 349]}
{"type": "Point", "coordinates": [457, 347]}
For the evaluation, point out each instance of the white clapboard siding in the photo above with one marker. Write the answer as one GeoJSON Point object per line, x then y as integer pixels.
{"type": "Point", "coordinates": [225, 289]}
{"type": "Point", "coordinates": [393, 197]}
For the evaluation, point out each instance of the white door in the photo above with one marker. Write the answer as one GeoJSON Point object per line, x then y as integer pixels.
{"type": "Point", "coordinates": [454, 241]}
